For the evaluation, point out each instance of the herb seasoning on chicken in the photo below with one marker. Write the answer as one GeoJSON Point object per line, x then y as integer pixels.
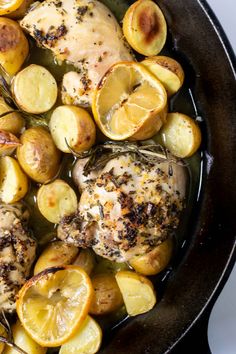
{"type": "Point", "coordinates": [17, 253]}
{"type": "Point", "coordinates": [127, 208]}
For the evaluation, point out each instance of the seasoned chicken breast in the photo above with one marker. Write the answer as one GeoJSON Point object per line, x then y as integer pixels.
{"type": "Point", "coordinates": [17, 253]}
{"type": "Point", "coordinates": [127, 208]}
{"type": "Point", "coordinates": [84, 33]}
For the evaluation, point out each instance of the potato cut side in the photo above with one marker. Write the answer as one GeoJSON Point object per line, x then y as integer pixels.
{"type": "Point", "coordinates": [72, 127]}
{"type": "Point", "coordinates": [8, 143]}
{"type": "Point", "coordinates": [107, 296]}
{"type": "Point", "coordinates": [55, 254]}
{"type": "Point", "coordinates": [155, 261]}
{"type": "Point", "coordinates": [13, 122]}
{"type": "Point", "coordinates": [145, 28]}
{"type": "Point", "coordinates": [56, 200]}
{"type": "Point", "coordinates": [87, 340]}
{"type": "Point", "coordinates": [137, 291]}
{"type": "Point", "coordinates": [14, 45]}
{"type": "Point", "coordinates": [181, 135]}
{"type": "Point", "coordinates": [13, 181]}
{"type": "Point", "coordinates": [24, 341]}
{"type": "Point", "coordinates": [35, 89]}
{"type": "Point", "coordinates": [167, 70]}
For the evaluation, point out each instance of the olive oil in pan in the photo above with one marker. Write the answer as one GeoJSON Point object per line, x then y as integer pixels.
{"type": "Point", "coordinates": [182, 102]}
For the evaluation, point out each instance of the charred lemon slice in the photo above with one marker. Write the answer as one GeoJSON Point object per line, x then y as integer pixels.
{"type": "Point", "coordinates": [144, 27]}
{"type": "Point", "coordinates": [53, 304]}
{"type": "Point", "coordinates": [129, 102]}
{"type": "Point", "coordinates": [8, 6]}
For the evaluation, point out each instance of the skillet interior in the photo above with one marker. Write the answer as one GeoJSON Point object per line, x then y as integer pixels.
{"type": "Point", "coordinates": [201, 266]}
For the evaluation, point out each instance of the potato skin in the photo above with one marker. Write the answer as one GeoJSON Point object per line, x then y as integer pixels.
{"type": "Point", "coordinates": [86, 260]}
{"type": "Point", "coordinates": [8, 143]}
{"type": "Point", "coordinates": [13, 122]}
{"type": "Point", "coordinates": [14, 46]}
{"type": "Point", "coordinates": [55, 254]}
{"type": "Point", "coordinates": [155, 261]}
{"type": "Point", "coordinates": [38, 155]}
{"type": "Point", "coordinates": [107, 296]}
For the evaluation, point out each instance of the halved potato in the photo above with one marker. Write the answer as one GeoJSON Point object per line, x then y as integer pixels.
{"type": "Point", "coordinates": [13, 181]}
{"type": "Point", "coordinates": [56, 200]}
{"type": "Point", "coordinates": [73, 126]}
{"type": "Point", "coordinates": [3, 333]}
{"type": "Point", "coordinates": [55, 254]}
{"type": "Point", "coordinates": [87, 340]}
{"type": "Point", "coordinates": [107, 296]}
{"type": "Point", "coordinates": [155, 261]}
{"type": "Point", "coordinates": [8, 143]}
{"type": "Point", "coordinates": [181, 135]}
{"type": "Point", "coordinates": [23, 341]}
{"type": "Point", "coordinates": [167, 70]}
{"type": "Point", "coordinates": [86, 260]}
{"type": "Point", "coordinates": [12, 122]}
{"type": "Point", "coordinates": [34, 89]}
{"type": "Point", "coordinates": [38, 155]}
{"type": "Point", "coordinates": [21, 10]}
{"type": "Point", "coordinates": [137, 291]}
{"type": "Point", "coordinates": [144, 27]}
{"type": "Point", "coordinates": [14, 46]}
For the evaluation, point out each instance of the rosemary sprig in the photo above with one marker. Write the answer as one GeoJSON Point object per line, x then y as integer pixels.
{"type": "Point", "coordinates": [99, 155]}
{"type": "Point", "coordinates": [31, 119]}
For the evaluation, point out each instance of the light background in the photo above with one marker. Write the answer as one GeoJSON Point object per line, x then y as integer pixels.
{"type": "Point", "coordinates": [222, 324]}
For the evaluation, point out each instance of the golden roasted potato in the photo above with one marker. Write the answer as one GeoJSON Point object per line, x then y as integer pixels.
{"type": "Point", "coordinates": [3, 333]}
{"type": "Point", "coordinates": [144, 27]}
{"type": "Point", "coordinates": [73, 126]}
{"type": "Point", "coordinates": [167, 70]}
{"type": "Point", "coordinates": [55, 254]}
{"type": "Point", "coordinates": [8, 143]}
{"type": "Point", "coordinates": [13, 181]}
{"type": "Point", "coordinates": [56, 200]}
{"type": "Point", "coordinates": [21, 10]}
{"type": "Point", "coordinates": [14, 46]}
{"type": "Point", "coordinates": [155, 261]}
{"type": "Point", "coordinates": [24, 341]}
{"type": "Point", "coordinates": [107, 296]}
{"type": "Point", "coordinates": [12, 122]}
{"type": "Point", "coordinates": [38, 155]}
{"type": "Point", "coordinates": [181, 135]}
{"type": "Point", "coordinates": [137, 291]}
{"type": "Point", "coordinates": [86, 260]}
{"type": "Point", "coordinates": [34, 89]}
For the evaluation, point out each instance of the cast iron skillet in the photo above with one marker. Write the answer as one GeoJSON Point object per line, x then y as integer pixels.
{"type": "Point", "coordinates": [203, 264]}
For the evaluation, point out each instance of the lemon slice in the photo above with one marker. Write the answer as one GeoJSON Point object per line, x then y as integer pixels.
{"type": "Point", "coordinates": [129, 102]}
{"type": "Point", "coordinates": [53, 304]}
{"type": "Point", "coordinates": [86, 341]}
{"type": "Point", "coordinates": [8, 6]}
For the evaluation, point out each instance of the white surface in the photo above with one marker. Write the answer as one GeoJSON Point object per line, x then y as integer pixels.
{"type": "Point", "coordinates": [222, 324]}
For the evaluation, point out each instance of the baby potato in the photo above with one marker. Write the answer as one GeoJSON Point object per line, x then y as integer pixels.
{"type": "Point", "coordinates": [13, 181]}
{"type": "Point", "coordinates": [73, 126]}
{"type": "Point", "coordinates": [34, 89]}
{"type": "Point", "coordinates": [8, 143]}
{"type": "Point", "coordinates": [3, 333]}
{"type": "Point", "coordinates": [14, 47]}
{"type": "Point", "coordinates": [167, 70]}
{"type": "Point", "coordinates": [21, 10]}
{"type": "Point", "coordinates": [23, 341]}
{"type": "Point", "coordinates": [86, 260]}
{"type": "Point", "coordinates": [181, 135]}
{"type": "Point", "coordinates": [87, 339]}
{"type": "Point", "coordinates": [38, 155]}
{"type": "Point", "coordinates": [137, 291]}
{"type": "Point", "coordinates": [55, 254]}
{"type": "Point", "coordinates": [56, 200]}
{"type": "Point", "coordinates": [107, 296]}
{"type": "Point", "coordinates": [12, 122]}
{"type": "Point", "coordinates": [144, 27]}
{"type": "Point", "coordinates": [155, 261]}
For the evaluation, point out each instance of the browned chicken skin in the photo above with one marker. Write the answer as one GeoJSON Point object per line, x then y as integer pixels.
{"type": "Point", "coordinates": [126, 209]}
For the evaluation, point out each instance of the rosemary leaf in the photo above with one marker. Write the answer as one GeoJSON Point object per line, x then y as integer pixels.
{"type": "Point", "coordinates": [12, 345]}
